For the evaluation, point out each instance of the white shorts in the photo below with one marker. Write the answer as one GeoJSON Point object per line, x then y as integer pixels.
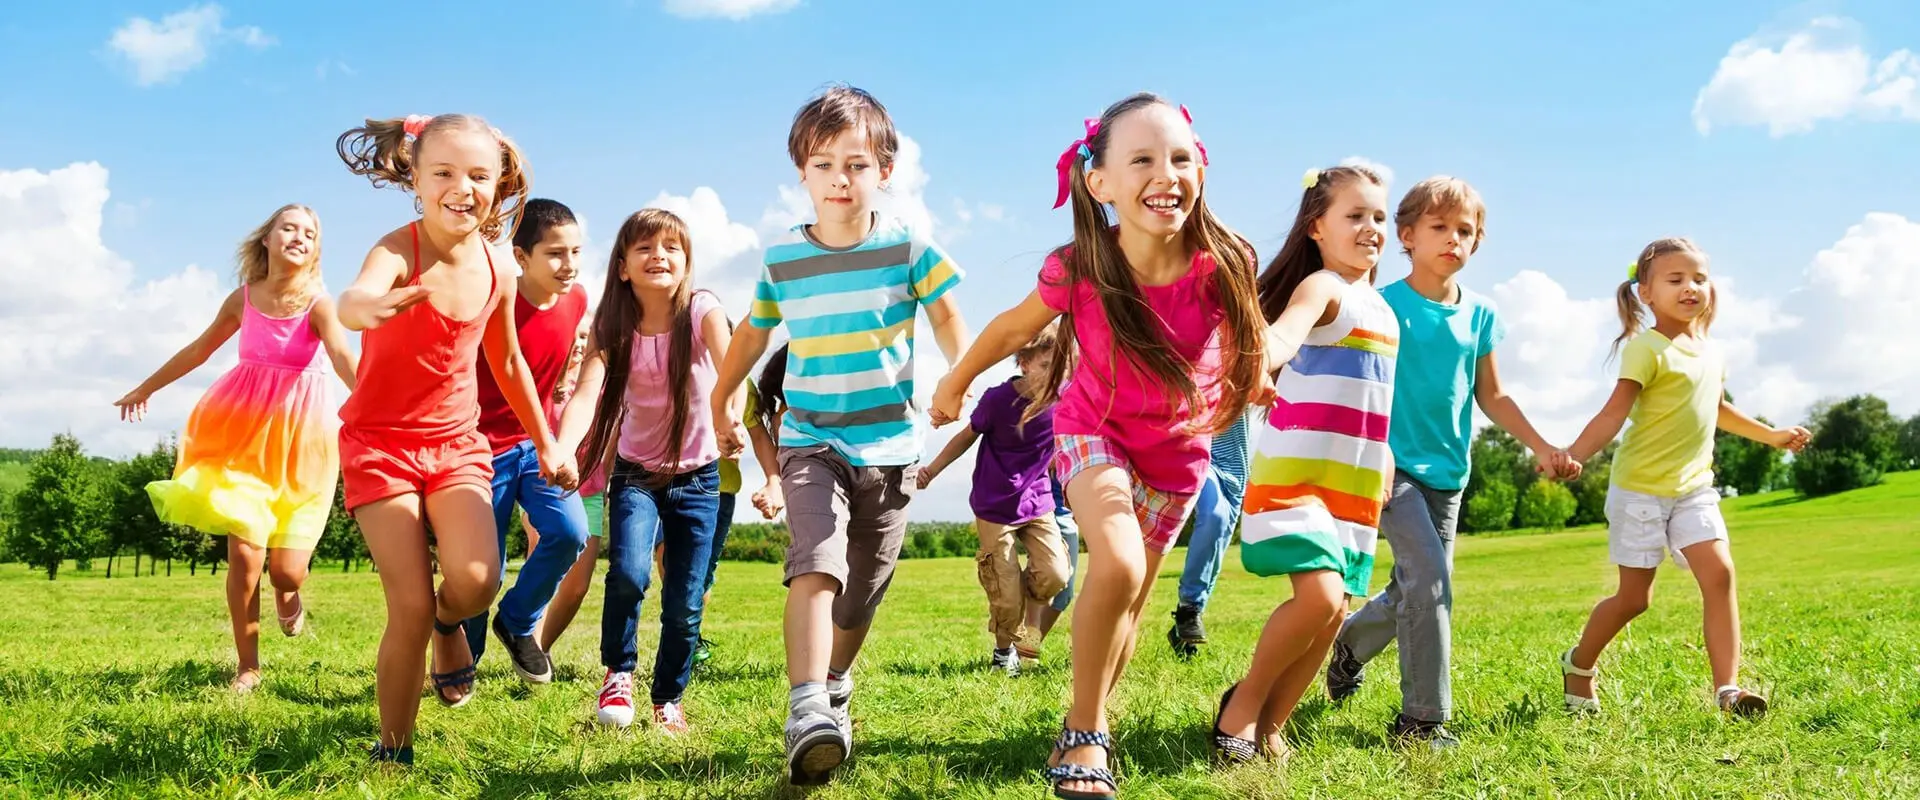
{"type": "Point", "coordinates": [1643, 528]}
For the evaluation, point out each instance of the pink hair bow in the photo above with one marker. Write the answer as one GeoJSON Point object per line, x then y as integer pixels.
{"type": "Point", "coordinates": [415, 125]}
{"type": "Point", "coordinates": [1065, 166]}
{"type": "Point", "coordinates": [1188, 116]}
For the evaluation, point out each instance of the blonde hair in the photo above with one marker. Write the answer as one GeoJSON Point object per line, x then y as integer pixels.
{"type": "Point", "coordinates": [1439, 194]}
{"type": "Point", "coordinates": [251, 256]}
{"type": "Point", "coordinates": [382, 151]}
{"type": "Point", "coordinates": [1627, 296]}
{"type": "Point", "coordinates": [1042, 342]}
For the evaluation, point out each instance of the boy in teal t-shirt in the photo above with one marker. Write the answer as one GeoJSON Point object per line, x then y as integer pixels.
{"type": "Point", "coordinates": [1445, 365]}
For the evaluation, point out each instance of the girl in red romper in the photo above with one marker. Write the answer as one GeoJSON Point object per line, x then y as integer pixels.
{"type": "Point", "coordinates": [412, 458]}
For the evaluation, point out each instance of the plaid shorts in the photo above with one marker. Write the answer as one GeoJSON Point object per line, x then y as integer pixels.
{"type": "Point", "coordinates": [1161, 513]}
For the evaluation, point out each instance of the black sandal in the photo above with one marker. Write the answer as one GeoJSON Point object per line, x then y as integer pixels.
{"type": "Point", "coordinates": [1231, 751]}
{"type": "Point", "coordinates": [383, 754]}
{"type": "Point", "coordinates": [457, 679]}
{"type": "Point", "coordinates": [1063, 772]}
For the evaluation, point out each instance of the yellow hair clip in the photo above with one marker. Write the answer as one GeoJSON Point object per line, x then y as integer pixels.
{"type": "Point", "coordinates": [1311, 179]}
{"type": "Point", "coordinates": [1633, 272]}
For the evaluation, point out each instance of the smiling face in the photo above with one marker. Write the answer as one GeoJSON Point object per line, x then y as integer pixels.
{"type": "Point", "coordinates": [842, 177]}
{"type": "Point", "coordinates": [1677, 287]}
{"type": "Point", "coordinates": [456, 175]}
{"type": "Point", "coordinates": [656, 263]}
{"type": "Point", "coordinates": [293, 239]}
{"type": "Point", "coordinates": [554, 262]}
{"type": "Point", "coordinates": [1149, 171]}
{"type": "Point", "coordinates": [1354, 229]}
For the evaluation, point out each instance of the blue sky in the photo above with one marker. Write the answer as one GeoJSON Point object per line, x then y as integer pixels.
{"type": "Point", "coordinates": [1589, 130]}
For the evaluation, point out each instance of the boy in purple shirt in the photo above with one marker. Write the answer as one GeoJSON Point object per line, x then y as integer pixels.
{"type": "Point", "coordinates": [1013, 502]}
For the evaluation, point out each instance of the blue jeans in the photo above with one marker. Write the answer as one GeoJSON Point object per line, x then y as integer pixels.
{"type": "Point", "coordinates": [682, 514]}
{"type": "Point", "coordinates": [562, 522]}
{"type": "Point", "coordinates": [1070, 537]}
{"type": "Point", "coordinates": [722, 526]}
{"type": "Point", "coordinates": [1215, 515]}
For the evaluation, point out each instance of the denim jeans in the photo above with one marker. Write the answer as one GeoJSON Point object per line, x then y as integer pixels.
{"type": "Point", "coordinates": [1069, 541]}
{"type": "Point", "coordinates": [1215, 515]}
{"type": "Point", "coordinates": [562, 522]}
{"type": "Point", "coordinates": [682, 514]}
{"type": "Point", "coordinates": [723, 525]}
{"type": "Point", "coordinates": [1417, 605]}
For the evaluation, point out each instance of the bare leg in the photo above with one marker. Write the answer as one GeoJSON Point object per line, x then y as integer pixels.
{"type": "Point", "coordinates": [287, 569]}
{"type": "Point", "coordinates": [243, 606]}
{"type": "Point", "coordinates": [1285, 695]}
{"type": "Point", "coordinates": [1288, 638]}
{"type": "Point", "coordinates": [567, 599]}
{"type": "Point", "coordinates": [1134, 612]}
{"type": "Point", "coordinates": [846, 646]}
{"type": "Point", "coordinates": [809, 632]}
{"type": "Point", "coordinates": [397, 540]}
{"type": "Point", "coordinates": [1609, 616]}
{"type": "Point", "coordinates": [1712, 566]}
{"type": "Point", "coordinates": [469, 550]}
{"type": "Point", "coordinates": [1103, 615]}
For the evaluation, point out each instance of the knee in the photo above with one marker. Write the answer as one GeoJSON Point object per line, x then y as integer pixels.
{"type": "Point", "coordinates": [287, 576]}
{"type": "Point", "coordinates": [629, 578]}
{"type": "Point", "coordinates": [1633, 604]}
{"type": "Point", "coordinates": [1716, 582]}
{"type": "Point", "coordinates": [1044, 584]}
{"type": "Point", "coordinates": [468, 591]}
{"type": "Point", "coordinates": [1328, 605]}
{"type": "Point", "coordinates": [408, 613]}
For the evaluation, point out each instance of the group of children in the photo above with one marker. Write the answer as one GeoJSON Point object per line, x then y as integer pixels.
{"type": "Point", "coordinates": [1152, 352]}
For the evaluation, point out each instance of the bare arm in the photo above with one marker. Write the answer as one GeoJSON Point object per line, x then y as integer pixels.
{"type": "Point", "coordinates": [771, 498]}
{"type": "Point", "coordinates": [1003, 337]}
{"type": "Point", "coordinates": [949, 328]}
{"type": "Point", "coordinates": [1316, 302]}
{"type": "Point", "coordinates": [226, 322]}
{"type": "Point", "coordinates": [325, 321]}
{"type": "Point", "coordinates": [501, 343]}
{"type": "Point", "coordinates": [961, 442]}
{"type": "Point", "coordinates": [719, 335]}
{"type": "Point", "coordinates": [576, 419]}
{"type": "Point", "coordinates": [373, 298]}
{"type": "Point", "coordinates": [1736, 422]}
{"type": "Point", "coordinates": [1607, 423]}
{"type": "Point", "coordinates": [744, 348]}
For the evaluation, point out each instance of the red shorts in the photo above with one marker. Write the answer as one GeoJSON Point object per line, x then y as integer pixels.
{"type": "Point", "coordinates": [376, 467]}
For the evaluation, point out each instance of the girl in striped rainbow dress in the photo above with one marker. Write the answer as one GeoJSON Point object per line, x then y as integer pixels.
{"type": "Point", "coordinates": [1320, 469]}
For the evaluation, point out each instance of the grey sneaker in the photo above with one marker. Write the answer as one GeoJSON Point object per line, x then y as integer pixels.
{"type": "Point", "coordinates": [1409, 731]}
{"type": "Point", "coordinates": [840, 703]}
{"type": "Point", "coordinates": [816, 746]}
{"type": "Point", "coordinates": [1345, 673]}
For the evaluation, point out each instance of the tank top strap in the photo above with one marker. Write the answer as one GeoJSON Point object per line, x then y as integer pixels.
{"type": "Point", "coordinates": [493, 277]}
{"type": "Point", "coordinates": [413, 275]}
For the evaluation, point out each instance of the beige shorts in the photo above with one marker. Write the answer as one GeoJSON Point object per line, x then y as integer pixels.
{"type": "Point", "coordinates": [846, 522]}
{"type": "Point", "coordinates": [1643, 528]}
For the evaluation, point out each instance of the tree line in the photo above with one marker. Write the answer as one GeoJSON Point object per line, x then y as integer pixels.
{"type": "Point", "coordinates": [72, 507]}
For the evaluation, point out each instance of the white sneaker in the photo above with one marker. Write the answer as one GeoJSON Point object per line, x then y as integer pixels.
{"type": "Point", "coordinates": [616, 699]}
{"type": "Point", "coordinates": [840, 702]}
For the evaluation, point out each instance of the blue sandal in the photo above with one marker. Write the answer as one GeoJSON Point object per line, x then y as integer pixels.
{"type": "Point", "coordinates": [1064, 772]}
{"type": "Point", "coordinates": [461, 678]}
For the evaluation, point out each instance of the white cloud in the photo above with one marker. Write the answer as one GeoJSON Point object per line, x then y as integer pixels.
{"type": "Point", "coordinates": [1820, 72]}
{"type": "Point", "coordinates": [77, 329]}
{"type": "Point", "coordinates": [160, 52]}
{"type": "Point", "coordinates": [1385, 172]}
{"type": "Point", "coordinates": [728, 9]}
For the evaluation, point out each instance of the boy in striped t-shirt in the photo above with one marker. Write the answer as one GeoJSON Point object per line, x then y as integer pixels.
{"type": "Point", "coordinates": [848, 288]}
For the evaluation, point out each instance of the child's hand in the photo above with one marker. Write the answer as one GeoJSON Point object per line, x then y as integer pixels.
{"type": "Point", "coordinates": [727, 427]}
{"type": "Point", "coordinates": [133, 407]}
{"type": "Point", "coordinates": [947, 400]}
{"type": "Point", "coordinates": [389, 305]}
{"type": "Point", "coordinates": [926, 476]}
{"type": "Point", "coordinates": [770, 500]}
{"type": "Point", "coordinates": [558, 469]}
{"type": "Point", "coordinates": [1789, 439]}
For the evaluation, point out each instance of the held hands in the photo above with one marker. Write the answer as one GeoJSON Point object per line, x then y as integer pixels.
{"type": "Point", "coordinates": [558, 469]}
{"type": "Point", "coordinates": [728, 429]}
{"type": "Point", "coordinates": [947, 400]}
{"type": "Point", "coordinates": [133, 407]}
{"type": "Point", "coordinates": [770, 500]}
{"type": "Point", "coordinates": [1789, 439]}
{"type": "Point", "coordinates": [1558, 465]}
{"type": "Point", "coordinates": [925, 477]}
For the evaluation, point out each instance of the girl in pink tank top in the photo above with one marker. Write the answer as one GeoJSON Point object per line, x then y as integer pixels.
{"type": "Point", "coordinates": [257, 461]}
{"type": "Point", "coordinates": [428, 299]}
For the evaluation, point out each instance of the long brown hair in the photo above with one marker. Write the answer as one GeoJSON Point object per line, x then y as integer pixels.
{"type": "Point", "coordinates": [251, 257]}
{"type": "Point", "coordinates": [615, 324]}
{"type": "Point", "coordinates": [1299, 256]}
{"type": "Point", "coordinates": [381, 151]}
{"type": "Point", "coordinates": [1094, 258]}
{"type": "Point", "coordinates": [1626, 298]}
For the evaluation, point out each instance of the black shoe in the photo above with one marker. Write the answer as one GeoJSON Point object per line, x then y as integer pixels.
{"type": "Point", "coordinates": [1407, 730]}
{"type": "Point", "coordinates": [1187, 633]}
{"type": "Point", "coordinates": [392, 755]}
{"type": "Point", "coordinates": [1345, 673]}
{"type": "Point", "coordinates": [528, 659]}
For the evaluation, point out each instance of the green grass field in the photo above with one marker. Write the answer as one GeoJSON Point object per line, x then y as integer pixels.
{"type": "Point", "coordinates": [117, 688]}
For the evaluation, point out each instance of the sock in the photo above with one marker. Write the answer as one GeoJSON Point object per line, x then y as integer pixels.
{"type": "Point", "coordinates": [837, 675]}
{"type": "Point", "coordinates": [809, 697]}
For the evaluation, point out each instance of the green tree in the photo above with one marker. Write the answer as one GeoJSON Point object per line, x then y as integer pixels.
{"type": "Point", "coordinates": [1590, 489]}
{"type": "Point", "coordinates": [1498, 459]}
{"type": "Point", "coordinates": [1853, 446]}
{"type": "Point", "coordinates": [57, 517]}
{"type": "Point", "coordinates": [1907, 446]}
{"type": "Point", "coordinates": [1747, 466]}
{"type": "Point", "coordinates": [1546, 505]}
{"type": "Point", "coordinates": [342, 541]}
{"type": "Point", "coordinates": [1491, 508]}
{"type": "Point", "coordinates": [132, 517]}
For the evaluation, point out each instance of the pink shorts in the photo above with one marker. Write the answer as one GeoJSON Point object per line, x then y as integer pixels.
{"type": "Point", "coordinates": [1161, 513]}
{"type": "Point", "coordinates": [374, 467]}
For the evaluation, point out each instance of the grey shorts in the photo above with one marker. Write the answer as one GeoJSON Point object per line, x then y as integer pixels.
{"type": "Point", "coordinates": [846, 522]}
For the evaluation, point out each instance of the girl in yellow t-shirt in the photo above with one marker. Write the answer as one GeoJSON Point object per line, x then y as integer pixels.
{"type": "Point", "coordinates": [1662, 496]}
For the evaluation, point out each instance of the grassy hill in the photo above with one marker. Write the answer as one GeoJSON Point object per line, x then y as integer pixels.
{"type": "Point", "coordinates": [116, 688]}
